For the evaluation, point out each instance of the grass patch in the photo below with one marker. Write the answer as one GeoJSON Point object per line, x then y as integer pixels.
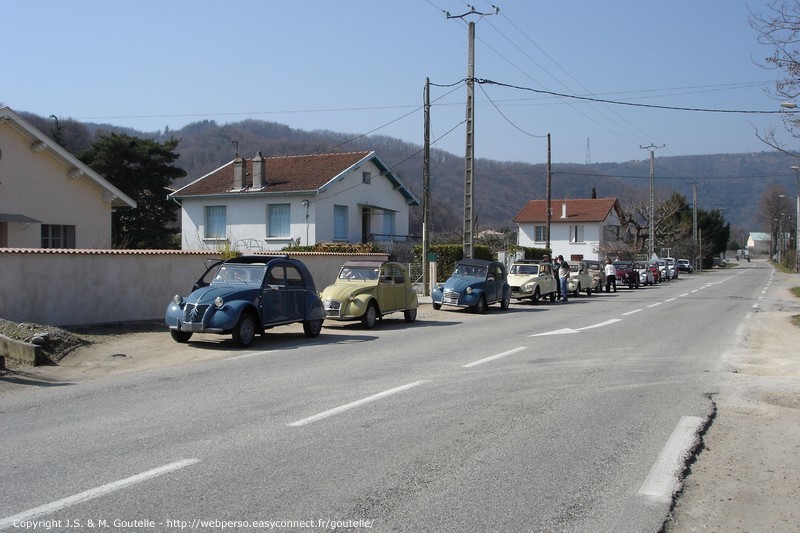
{"type": "Point", "coordinates": [796, 320]}
{"type": "Point", "coordinates": [795, 291]}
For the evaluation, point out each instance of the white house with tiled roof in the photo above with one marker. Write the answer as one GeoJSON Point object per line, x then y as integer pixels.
{"type": "Point", "coordinates": [48, 198]}
{"type": "Point", "coordinates": [578, 227]}
{"type": "Point", "coordinates": [267, 203]}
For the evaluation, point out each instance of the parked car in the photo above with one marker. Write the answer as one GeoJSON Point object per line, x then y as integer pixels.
{"type": "Point", "coordinates": [579, 279]}
{"type": "Point", "coordinates": [645, 274]}
{"type": "Point", "coordinates": [366, 290]}
{"type": "Point", "coordinates": [532, 280]}
{"type": "Point", "coordinates": [655, 271]}
{"type": "Point", "coordinates": [476, 284]}
{"type": "Point", "coordinates": [684, 265]}
{"type": "Point", "coordinates": [597, 271]}
{"type": "Point", "coordinates": [666, 271]}
{"type": "Point", "coordinates": [245, 296]}
{"type": "Point", "coordinates": [627, 274]}
{"type": "Point", "coordinates": [673, 266]}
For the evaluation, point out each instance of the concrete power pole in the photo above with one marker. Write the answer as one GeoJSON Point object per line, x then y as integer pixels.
{"type": "Point", "coordinates": [651, 234]}
{"type": "Point", "coordinates": [469, 220]}
{"type": "Point", "coordinates": [549, 211]}
{"type": "Point", "coordinates": [426, 190]}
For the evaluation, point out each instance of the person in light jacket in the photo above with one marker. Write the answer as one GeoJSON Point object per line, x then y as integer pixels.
{"type": "Point", "coordinates": [563, 276]}
{"type": "Point", "coordinates": [611, 275]}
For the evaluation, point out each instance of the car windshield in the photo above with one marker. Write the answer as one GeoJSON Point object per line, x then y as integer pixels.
{"type": "Point", "coordinates": [622, 264]}
{"type": "Point", "coordinates": [593, 266]}
{"type": "Point", "coordinates": [240, 274]}
{"type": "Point", "coordinates": [352, 273]}
{"type": "Point", "coordinates": [529, 270]}
{"type": "Point", "coordinates": [470, 271]}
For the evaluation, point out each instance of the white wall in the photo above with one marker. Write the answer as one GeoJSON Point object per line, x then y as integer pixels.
{"type": "Point", "coordinates": [37, 185]}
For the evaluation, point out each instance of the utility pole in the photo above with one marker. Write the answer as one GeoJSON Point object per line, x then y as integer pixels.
{"type": "Point", "coordinates": [651, 214]}
{"type": "Point", "coordinates": [426, 190]}
{"type": "Point", "coordinates": [549, 182]}
{"type": "Point", "coordinates": [469, 220]}
{"type": "Point", "coordinates": [694, 225]}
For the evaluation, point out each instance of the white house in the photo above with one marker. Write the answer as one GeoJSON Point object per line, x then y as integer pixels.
{"type": "Point", "coordinates": [271, 202]}
{"type": "Point", "coordinates": [48, 198]}
{"type": "Point", "coordinates": [578, 227]}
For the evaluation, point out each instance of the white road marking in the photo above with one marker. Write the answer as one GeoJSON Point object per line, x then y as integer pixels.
{"type": "Point", "coordinates": [555, 332]}
{"type": "Point", "coordinates": [601, 324]}
{"type": "Point", "coordinates": [492, 358]}
{"type": "Point", "coordinates": [632, 312]}
{"type": "Point", "coordinates": [246, 355]}
{"type": "Point", "coordinates": [93, 493]}
{"type": "Point", "coordinates": [663, 480]}
{"type": "Point", "coordinates": [352, 405]}
{"type": "Point", "coordinates": [755, 306]}
{"type": "Point", "coordinates": [655, 304]}
{"type": "Point", "coordinates": [669, 300]}
{"type": "Point", "coordinates": [684, 294]}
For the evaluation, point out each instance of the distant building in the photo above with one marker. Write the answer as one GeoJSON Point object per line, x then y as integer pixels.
{"type": "Point", "coordinates": [48, 198]}
{"type": "Point", "coordinates": [267, 203]}
{"type": "Point", "coordinates": [578, 227]}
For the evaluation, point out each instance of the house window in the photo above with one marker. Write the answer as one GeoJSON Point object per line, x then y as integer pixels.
{"type": "Point", "coordinates": [388, 225]}
{"type": "Point", "coordinates": [215, 222]}
{"type": "Point", "coordinates": [58, 236]}
{"type": "Point", "coordinates": [576, 233]}
{"type": "Point", "coordinates": [540, 233]}
{"type": "Point", "coordinates": [366, 177]}
{"type": "Point", "coordinates": [278, 220]}
{"type": "Point", "coordinates": [340, 222]}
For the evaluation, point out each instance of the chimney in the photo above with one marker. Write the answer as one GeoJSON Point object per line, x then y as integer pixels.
{"type": "Point", "coordinates": [238, 173]}
{"type": "Point", "coordinates": [564, 209]}
{"type": "Point", "coordinates": [259, 171]}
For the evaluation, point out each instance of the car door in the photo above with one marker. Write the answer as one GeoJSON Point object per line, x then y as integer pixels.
{"type": "Point", "coordinates": [492, 284]}
{"type": "Point", "coordinates": [295, 293]}
{"type": "Point", "coordinates": [387, 290]}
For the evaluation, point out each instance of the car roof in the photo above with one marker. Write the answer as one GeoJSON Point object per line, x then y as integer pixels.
{"type": "Point", "coordinates": [371, 263]}
{"type": "Point", "coordinates": [477, 262]}
{"type": "Point", "coordinates": [527, 262]}
{"type": "Point", "coordinates": [255, 258]}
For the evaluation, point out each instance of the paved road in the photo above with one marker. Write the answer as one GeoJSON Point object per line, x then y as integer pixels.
{"type": "Point", "coordinates": [568, 417]}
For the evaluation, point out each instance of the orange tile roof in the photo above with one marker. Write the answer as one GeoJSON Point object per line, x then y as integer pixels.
{"type": "Point", "coordinates": [578, 210]}
{"type": "Point", "coordinates": [283, 174]}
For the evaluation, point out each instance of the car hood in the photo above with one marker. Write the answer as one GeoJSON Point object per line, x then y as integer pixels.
{"type": "Point", "coordinates": [460, 284]}
{"type": "Point", "coordinates": [206, 295]}
{"type": "Point", "coordinates": [521, 279]}
{"type": "Point", "coordinates": [343, 291]}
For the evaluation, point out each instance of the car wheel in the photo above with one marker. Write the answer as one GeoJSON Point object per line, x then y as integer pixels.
{"type": "Point", "coordinates": [436, 306]}
{"type": "Point", "coordinates": [505, 303]}
{"type": "Point", "coordinates": [552, 297]}
{"type": "Point", "coordinates": [245, 331]}
{"type": "Point", "coordinates": [589, 291]}
{"type": "Point", "coordinates": [410, 315]}
{"type": "Point", "coordinates": [480, 308]}
{"type": "Point", "coordinates": [312, 327]}
{"type": "Point", "coordinates": [370, 316]}
{"type": "Point", "coordinates": [577, 290]}
{"type": "Point", "coordinates": [180, 336]}
{"type": "Point", "coordinates": [536, 296]}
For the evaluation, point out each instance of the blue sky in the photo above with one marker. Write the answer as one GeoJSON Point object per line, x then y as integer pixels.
{"type": "Point", "coordinates": [358, 66]}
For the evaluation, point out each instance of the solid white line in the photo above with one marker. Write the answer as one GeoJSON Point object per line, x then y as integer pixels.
{"type": "Point", "coordinates": [94, 493]}
{"type": "Point", "coordinates": [492, 358]}
{"type": "Point", "coordinates": [352, 405]}
{"type": "Point", "coordinates": [601, 324]}
{"type": "Point", "coordinates": [632, 312]}
{"type": "Point", "coordinates": [663, 480]}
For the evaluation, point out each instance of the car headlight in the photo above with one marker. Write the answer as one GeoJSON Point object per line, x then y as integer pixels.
{"type": "Point", "coordinates": [177, 299]}
{"type": "Point", "coordinates": [469, 290]}
{"type": "Point", "coordinates": [219, 302]}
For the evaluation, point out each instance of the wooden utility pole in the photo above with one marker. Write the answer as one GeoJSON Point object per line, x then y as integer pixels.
{"type": "Point", "coordinates": [549, 182]}
{"type": "Point", "coordinates": [426, 190]}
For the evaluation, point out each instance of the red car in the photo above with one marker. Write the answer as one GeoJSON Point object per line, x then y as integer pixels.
{"type": "Point", "coordinates": [627, 274]}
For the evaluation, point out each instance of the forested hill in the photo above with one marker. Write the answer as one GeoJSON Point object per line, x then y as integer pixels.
{"type": "Point", "coordinates": [734, 182]}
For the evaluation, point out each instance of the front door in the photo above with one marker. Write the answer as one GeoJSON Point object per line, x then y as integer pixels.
{"type": "Point", "coordinates": [366, 224]}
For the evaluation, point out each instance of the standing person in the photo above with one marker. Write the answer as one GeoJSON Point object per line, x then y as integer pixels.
{"type": "Point", "coordinates": [563, 276]}
{"type": "Point", "coordinates": [554, 268]}
{"type": "Point", "coordinates": [611, 275]}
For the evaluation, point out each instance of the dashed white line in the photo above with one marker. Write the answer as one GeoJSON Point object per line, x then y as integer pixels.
{"type": "Point", "coordinates": [669, 299]}
{"type": "Point", "coordinates": [655, 304]}
{"type": "Point", "coordinates": [632, 312]}
{"type": "Point", "coordinates": [93, 493]}
{"type": "Point", "coordinates": [352, 405]}
{"type": "Point", "coordinates": [663, 479]}
{"type": "Point", "coordinates": [493, 357]}
{"type": "Point", "coordinates": [601, 324]}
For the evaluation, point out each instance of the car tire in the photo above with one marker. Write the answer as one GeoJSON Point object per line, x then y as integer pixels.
{"type": "Point", "coordinates": [312, 328]}
{"type": "Point", "coordinates": [370, 316]}
{"type": "Point", "coordinates": [410, 315]}
{"type": "Point", "coordinates": [589, 291]}
{"type": "Point", "coordinates": [480, 307]}
{"type": "Point", "coordinates": [552, 297]}
{"type": "Point", "coordinates": [536, 296]}
{"type": "Point", "coordinates": [180, 336]}
{"type": "Point", "coordinates": [245, 331]}
{"type": "Point", "coordinates": [436, 306]}
{"type": "Point", "coordinates": [505, 303]}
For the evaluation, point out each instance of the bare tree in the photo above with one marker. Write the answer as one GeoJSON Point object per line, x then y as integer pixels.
{"type": "Point", "coordinates": [779, 28]}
